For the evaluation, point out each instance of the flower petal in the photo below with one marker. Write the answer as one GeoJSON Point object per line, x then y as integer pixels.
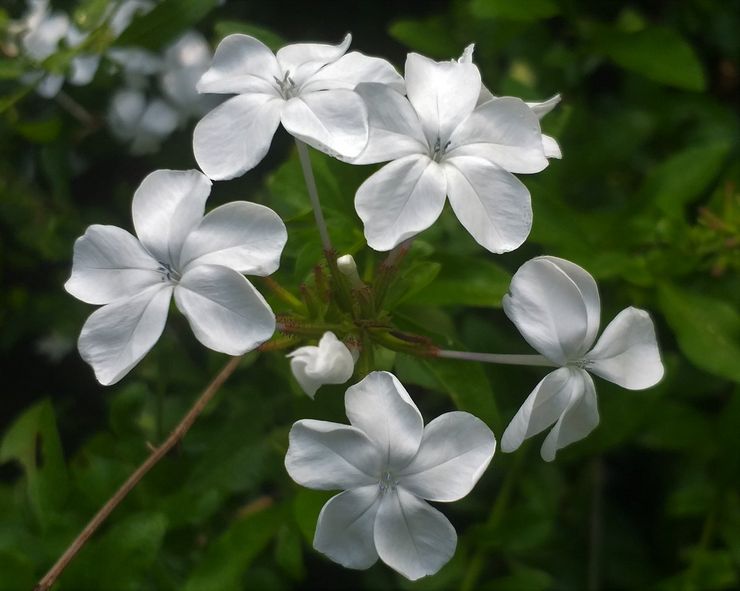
{"type": "Point", "coordinates": [236, 135]}
{"type": "Point", "coordinates": [166, 207]}
{"type": "Point", "coordinates": [352, 69]}
{"type": "Point", "coordinates": [412, 537]}
{"type": "Point", "coordinates": [555, 306]}
{"type": "Point", "coordinates": [455, 450]}
{"type": "Point", "coordinates": [344, 531]}
{"type": "Point", "coordinates": [109, 263]}
{"type": "Point", "coordinates": [329, 363]}
{"type": "Point", "coordinates": [327, 456]}
{"type": "Point", "coordinates": [333, 121]}
{"type": "Point", "coordinates": [551, 147]}
{"type": "Point", "coordinates": [246, 237]}
{"type": "Point", "coordinates": [380, 406]}
{"type": "Point", "coordinates": [580, 417]}
{"type": "Point", "coordinates": [241, 64]}
{"type": "Point", "coordinates": [505, 132]}
{"type": "Point", "coordinates": [395, 129]}
{"type": "Point", "coordinates": [443, 94]}
{"type": "Point", "coordinates": [627, 352]}
{"type": "Point", "coordinates": [302, 60]}
{"type": "Point", "coordinates": [225, 312]}
{"type": "Point", "coordinates": [542, 408]}
{"type": "Point", "coordinates": [115, 337]}
{"type": "Point", "coordinates": [400, 200]}
{"type": "Point", "coordinates": [544, 107]}
{"type": "Point", "coordinates": [491, 203]}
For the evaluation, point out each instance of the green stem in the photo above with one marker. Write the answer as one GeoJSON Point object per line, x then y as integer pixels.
{"type": "Point", "coordinates": [313, 194]}
{"type": "Point", "coordinates": [284, 295]}
{"type": "Point", "coordinates": [534, 360]}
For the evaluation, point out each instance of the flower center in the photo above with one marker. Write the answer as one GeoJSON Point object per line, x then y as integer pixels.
{"type": "Point", "coordinates": [438, 151]}
{"type": "Point", "coordinates": [387, 482]}
{"type": "Point", "coordinates": [286, 86]}
{"type": "Point", "coordinates": [168, 273]}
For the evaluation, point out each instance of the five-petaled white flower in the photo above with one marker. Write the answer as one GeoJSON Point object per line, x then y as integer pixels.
{"type": "Point", "coordinates": [199, 259]}
{"type": "Point", "coordinates": [555, 305]}
{"type": "Point", "coordinates": [388, 462]}
{"type": "Point", "coordinates": [441, 144]}
{"type": "Point", "coordinates": [307, 87]}
{"type": "Point", "coordinates": [331, 362]}
{"type": "Point", "coordinates": [539, 108]}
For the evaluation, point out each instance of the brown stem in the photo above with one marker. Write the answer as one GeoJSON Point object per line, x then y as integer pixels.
{"type": "Point", "coordinates": [157, 454]}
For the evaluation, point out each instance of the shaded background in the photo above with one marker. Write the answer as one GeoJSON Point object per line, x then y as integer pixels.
{"type": "Point", "coordinates": [646, 199]}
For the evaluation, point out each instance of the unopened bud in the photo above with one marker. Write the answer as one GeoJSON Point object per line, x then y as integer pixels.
{"type": "Point", "coordinates": [348, 267]}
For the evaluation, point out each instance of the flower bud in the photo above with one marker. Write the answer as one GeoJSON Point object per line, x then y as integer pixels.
{"type": "Point", "coordinates": [331, 362]}
{"type": "Point", "coordinates": [348, 267]}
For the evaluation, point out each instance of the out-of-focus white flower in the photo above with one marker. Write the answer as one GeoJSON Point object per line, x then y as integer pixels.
{"type": "Point", "coordinates": [184, 62]}
{"type": "Point", "coordinates": [308, 87]}
{"type": "Point", "coordinates": [387, 462]}
{"type": "Point", "coordinates": [179, 251]}
{"type": "Point", "coordinates": [555, 305]}
{"type": "Point", "coordinates": [142, 122]}
{"type": "Point", "coordinates": [331, 362]}
{"type": "Point", "coordinates": [549, 144]}
{"type": "Point", "coordinates": [443, 144]}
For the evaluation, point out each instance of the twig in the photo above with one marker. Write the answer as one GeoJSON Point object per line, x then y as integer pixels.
{"type": "Point", "coordinates": [157, 454]}
{"type": "Point", "coordinates": [313, 194]}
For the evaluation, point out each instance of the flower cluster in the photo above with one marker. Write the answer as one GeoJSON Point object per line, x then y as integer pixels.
{"type": "Point", "coordinates": [444, 136]}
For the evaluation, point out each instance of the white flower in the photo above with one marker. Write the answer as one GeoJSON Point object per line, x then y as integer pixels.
{"type": "Point", "coordinates": [329, 363]}
{"type": "Point", "coordinates": [555, 305]}
{"type": "Point", "coordinates": [549, 144]}
{"type": "Point", "coordinates": [179, 251]}
{"type": "Point", "coordinates": [144, 123]}
{"type": "Point", "coordinates": [441, 144]}
{"type": "Point", "coordinates": [388, 462]}
{"type": "Point", "coordinates": [307, 87]}
{"type": "Point", "coordinates": [185, 61]}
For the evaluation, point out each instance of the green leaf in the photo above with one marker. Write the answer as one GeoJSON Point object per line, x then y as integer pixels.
{"type": "Point", "coordinates": [707, 329]}
{"type": "Point", "coordinates": [465, 282]}
{"type": "Point", "coordinates": [33, 441]}
{"type": "Point", "coordinates": [164, 22]}
{"type": "Point", "coordinates": [519, 10]}
{"type": "Point", "coordinates": [685, 176]}
{"type": "Point", "coordinates": [412, 279]}
{"type": "Point", "coordinates": [121, 556]}
{"type": "Point", "coordinates": [431, 37]}
{"type": "Point", "coordinates": [228, 558]}
{"type": "Point", "coordinates": [658, 53]}
{"type": "Point", "coordinates": [464, 382]}
{"type": "Point", "coordinates": [268, 37]}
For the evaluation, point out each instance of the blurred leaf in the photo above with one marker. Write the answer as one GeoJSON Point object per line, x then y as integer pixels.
{"type": "Point", "coordinates": [307, 505]}
{"type": "Point", "coordinates": [116, 560]}
{"type": "Point", "coordinates": [40, 132]}
{"type": "Point", "coordinates": [658, 53]}
{"type": "Point", "coordinates": [228, 558]}
{"type": "Point", "coordinates": [164, 22]}
{"type": "Point", "coordinates": [431, 37]}
{"type": "Point", "coordinates": [412, 279]}
{"type": "Point", "coordinates": [522, 578]}
{"type": "Point", "coordinates": [465, 282]}
{"type": "Point", "coordinates": [267, 36]}
{"type": "Point", "coordinates": [10, 69]}
{"type": "Point", "coordinates": [685, 176]}
{"type": "Point", "coordinates": [33, 441]}
{"type": "Point", "coordinates": [289, 552]}
{"type": "Point", "coordinates": [464, 382]}
{"type": "Point", "coordinates": [707, 329]}
{"type": "Point", "coordinates": [519, 10]}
